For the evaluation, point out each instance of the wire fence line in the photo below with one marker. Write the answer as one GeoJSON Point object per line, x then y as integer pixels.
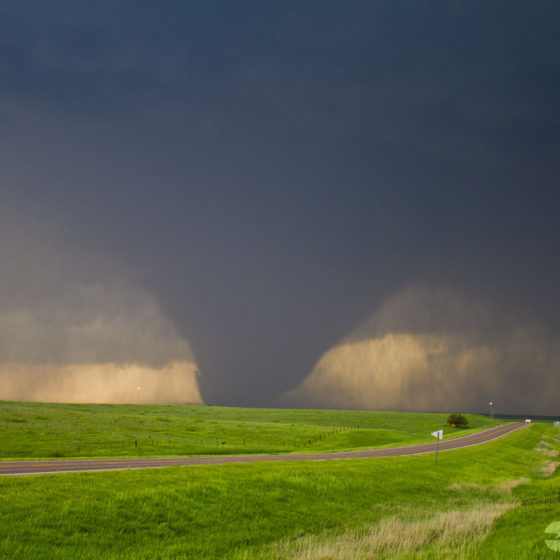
{"type": "Point", "coordinates": [190, 445]}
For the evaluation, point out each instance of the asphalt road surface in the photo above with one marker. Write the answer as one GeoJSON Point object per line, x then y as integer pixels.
{"type": "Point", "coordinates": [83, 465]}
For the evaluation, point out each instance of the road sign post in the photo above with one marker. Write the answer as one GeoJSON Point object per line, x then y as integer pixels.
{"type": "Point", "coordinates": [438, 434]}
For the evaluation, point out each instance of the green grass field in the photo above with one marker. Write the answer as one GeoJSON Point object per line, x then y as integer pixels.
{"type": "Point", "coordinates": [488, 501]}
{"type": "Point", "coordinates": [36, 430]}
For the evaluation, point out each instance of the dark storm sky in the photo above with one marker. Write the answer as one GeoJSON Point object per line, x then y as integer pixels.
{"type": "Point", "coordinates": [271, 172]}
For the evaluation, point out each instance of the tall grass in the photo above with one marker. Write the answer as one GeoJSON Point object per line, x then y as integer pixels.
{"type": "Point", "coordinates": [452, 534]}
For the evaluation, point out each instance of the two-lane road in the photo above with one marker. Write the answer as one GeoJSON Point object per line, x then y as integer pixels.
{"type": "Point", "coordinates": [83, 465]}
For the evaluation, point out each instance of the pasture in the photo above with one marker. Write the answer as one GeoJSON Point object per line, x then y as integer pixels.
{"type": "Point", "coordinates": [38, 430]}
{"type": "Point", "coordinates": [490, 501]}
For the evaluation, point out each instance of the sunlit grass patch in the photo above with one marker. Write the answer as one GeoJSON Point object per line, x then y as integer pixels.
{"type": "Point", "coordinates": [548, 468]}
{"type": "Point", "coordinates": [505, 486]}
{"type": "Point", "coordinates": [453, 534]}
{"type": "Point", "coordinates": [548, 446]}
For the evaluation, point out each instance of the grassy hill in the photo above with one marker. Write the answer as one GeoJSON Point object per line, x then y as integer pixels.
{"type": "Point", "coordinates": [37, 430]}
{"type": "Point", "coordinates": [489, 501]}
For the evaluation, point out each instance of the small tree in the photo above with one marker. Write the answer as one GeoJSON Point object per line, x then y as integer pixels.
{"type": "Point", "coordinates": [457, 420]}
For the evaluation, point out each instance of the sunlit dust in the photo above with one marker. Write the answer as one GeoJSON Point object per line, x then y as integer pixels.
{"type": "Point", "coordinates": [176, 382]}
{"type": "Point", "coordinates": [430, 350]}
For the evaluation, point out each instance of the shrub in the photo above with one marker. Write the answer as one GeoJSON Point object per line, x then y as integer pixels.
{"type": "Point", "coordinates": [457, 420]}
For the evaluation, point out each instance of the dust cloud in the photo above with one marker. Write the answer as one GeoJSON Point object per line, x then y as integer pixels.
{"type": "Point", "coordinates": [429, 350]}
{"type": "Point", "coordinates": [100, 383]}
{"type": "Point", "coordinates": [74, 328]}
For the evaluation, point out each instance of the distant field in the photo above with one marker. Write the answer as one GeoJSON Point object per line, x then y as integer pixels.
{"type": "Point", "coordinates": [492, 501]}
{"type": "Point", "coordinates": [36, 430]}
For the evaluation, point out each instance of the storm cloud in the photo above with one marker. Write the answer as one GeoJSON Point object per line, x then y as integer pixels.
{"type": "Point", "coordinates": [250, 181]}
